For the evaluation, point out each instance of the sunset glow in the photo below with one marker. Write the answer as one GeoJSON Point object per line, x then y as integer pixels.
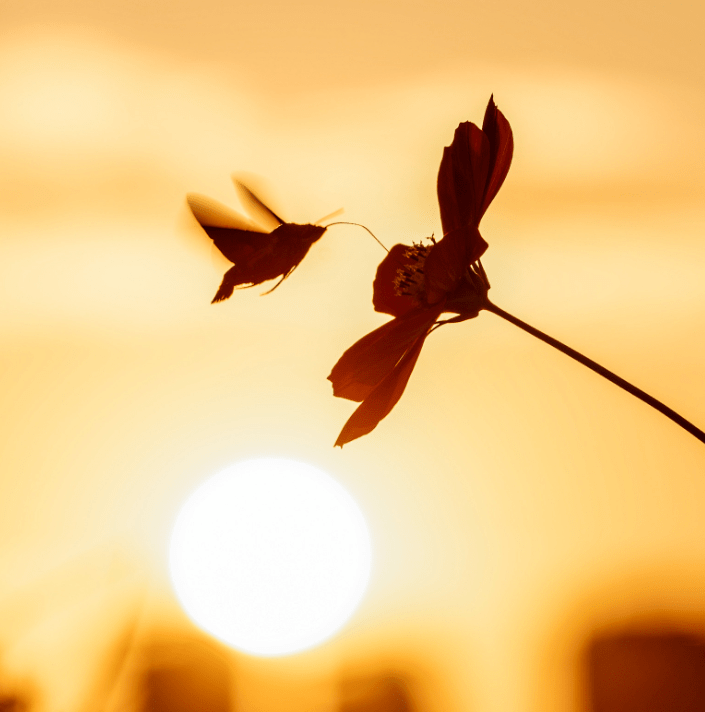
{"type": "Point", "coordinates": [524, 511]}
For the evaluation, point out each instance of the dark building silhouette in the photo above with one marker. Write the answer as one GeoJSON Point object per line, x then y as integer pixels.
{"type": "Point", "coordinates": [375, 693]}
{"type": "Point", "coordinates": [12, 704]}
{"type": "Point", "coordinates": [646, 671]}
{"type": "Point", "coordinates": [186, 675]}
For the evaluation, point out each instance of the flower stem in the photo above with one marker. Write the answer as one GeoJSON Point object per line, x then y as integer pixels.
{"type": "Point", "coordinates": [650, 400]}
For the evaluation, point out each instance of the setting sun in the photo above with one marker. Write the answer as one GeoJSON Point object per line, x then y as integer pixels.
{"type": "Point", "coordinates": [270, 556]}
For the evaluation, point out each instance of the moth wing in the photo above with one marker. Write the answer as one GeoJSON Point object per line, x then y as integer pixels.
{"type": "Point", "coordinates": [211, 213]}
{"type": "Point", "coordinates": [239, 246]}
{"type": "Point", "coordinates": [233, 234]}
{"type": "Point", "coordinates": [256, 207]}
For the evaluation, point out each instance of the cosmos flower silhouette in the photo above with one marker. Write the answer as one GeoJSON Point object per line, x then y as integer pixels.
{"type": "Point", "coordinates": [417, 283]}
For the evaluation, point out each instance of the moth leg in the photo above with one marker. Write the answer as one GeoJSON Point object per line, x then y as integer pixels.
{"type": "Point", "coordinates": [269, 291]}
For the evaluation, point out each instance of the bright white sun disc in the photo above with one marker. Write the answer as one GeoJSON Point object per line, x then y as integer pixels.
{"type": "Point", "coordinates": [271, 556]}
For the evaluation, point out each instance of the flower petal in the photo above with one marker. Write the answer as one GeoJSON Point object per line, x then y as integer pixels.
{"type": "Point", "coordinates": [379, 403]}
{"type": "Point", "coordinates": [368, 361]}
{"type": "Point", "coordinates": [448, 260]}
{"type": "Point", "coordinates": [462, 178]}
{"type": "Point", "coordinates": [499, 134]}
{"type": "Point", "coordinates": [384, 296]}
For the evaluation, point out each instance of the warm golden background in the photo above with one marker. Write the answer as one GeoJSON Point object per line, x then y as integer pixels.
{"type": "Point", "coordinates": [518, 503]}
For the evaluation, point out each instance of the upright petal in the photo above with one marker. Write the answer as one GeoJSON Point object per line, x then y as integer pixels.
{"type": "Point", "coordinates": [462, 178]}
{"type": "Point", "coordinates": [499, 135]}
{"type": "Point", "coordinates": [379, 403]}
{"type": "Point", "coordinates": [368, 361]}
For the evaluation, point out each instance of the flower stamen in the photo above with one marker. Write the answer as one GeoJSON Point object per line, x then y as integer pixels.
{"type": "Point", "coordinates": [409, 279]}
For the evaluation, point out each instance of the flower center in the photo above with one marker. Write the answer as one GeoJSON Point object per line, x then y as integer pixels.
{"type": "Point", "coordinates": [409, 279]}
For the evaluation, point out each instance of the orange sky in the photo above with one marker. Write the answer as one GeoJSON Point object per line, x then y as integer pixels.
{"type": "Point", "coordinates": [515, 499]}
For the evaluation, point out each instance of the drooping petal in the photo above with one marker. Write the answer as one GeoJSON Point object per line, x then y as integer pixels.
{"type": "Point", "coordinates": [368, 361]}
{"type": "Point", "coordinates": [448, 260]}
{"type": "Point", "coordinates": [462, 178]}
{"type": "Point", "coordinates": [385, 289]}
{"type": "Point", "coordinates": [499, 135]}
{"type": "Point", "coordinates": [379, 403]}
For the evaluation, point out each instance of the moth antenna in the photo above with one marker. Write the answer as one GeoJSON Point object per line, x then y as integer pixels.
{"type": "Point", "coordinates": [379, 242]}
